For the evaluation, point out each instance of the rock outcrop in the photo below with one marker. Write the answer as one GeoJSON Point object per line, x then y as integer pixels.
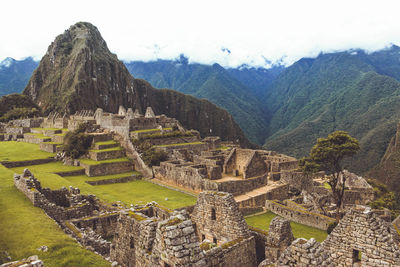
{"type": "Point", "coordinates": [79, 72]}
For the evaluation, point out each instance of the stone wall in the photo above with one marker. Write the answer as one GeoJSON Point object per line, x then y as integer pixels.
{"type": "Point", "coordinates": [299, 215]}
{"type": "Point", "coordinates": [14, 164]}
{"type": "Point", "coordinates": [304, 253]}
{"type": "Point", "coordinates": [359, 196]}
{"type": "Point", "coordinates": [108, 168]}
{"type": "Point", "coordinates": [104, 155]}
{"type": "Point", "coordinates": [60, 204]}
{"type": "Point", "coordinates": [17, 130]}
{"type": "Point", "coordinates": [279, 192]}
{"type": "Point", "coordinates": [27, 123]}
{"type": "Point", "coordinates": [240, 253]}
{"type": "Point", "coordinates": [50, 147]}
{"type": "Point", "coordinates": [361, 231]}
{"type": "Point", "coordinates": [194, 177]}
{"type": "Point", "coordinates": [131, 153]}
{"type": "Point", "coordinates": [217, 218]}
{"type": "Point", "coordinates": [298, 180]}
{"type": "Point", "coordinates": [280, 236]}
{"type": "Point", "coordinates": [238, 187]}
{"type": "Point", "coordinates": [245, 162]}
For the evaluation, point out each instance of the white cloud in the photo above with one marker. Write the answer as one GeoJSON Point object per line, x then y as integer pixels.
{"type": "Point", "coordinates": [251, 30]}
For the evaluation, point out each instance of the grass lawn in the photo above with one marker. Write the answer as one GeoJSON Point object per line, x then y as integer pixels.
{"type": "Point", "coordinates": [180, 144]}
{"type": "Point", "coordinates": [19, 151]}
{"type": "Point", "coordinates": [24, 228]}
{"type": "Point", "coordinates": [106, 142]}
{"type": "Point", "coordinates": [106, 149]}
{"type": "Point", "coordinates": [135, 192]}
{"type": "Point", "coordinates": [94, 162]}
{"type": "Point", "coordinates": [262, 221]}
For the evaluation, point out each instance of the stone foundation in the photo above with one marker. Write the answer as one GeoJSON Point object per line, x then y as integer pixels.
{"type": "Point", "coordinates": [299, 215]}
{"type": "Point", "coordinates": [108, 168]}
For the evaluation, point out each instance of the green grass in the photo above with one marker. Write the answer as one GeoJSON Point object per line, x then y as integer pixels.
{"type": "Point", "coordinates": [104, 177]}
{"type": "Point", "coordinates": [135, 192]}
{"type": "Point", "coordinates": [181, 144]}
{"type": "Point", "coordinates": [106, 142]}
{"type": "Point", "coordinates": [49, 129]}
{"type": "Point", "coordinates": [24, 228]}
{"type": "Point", "coordinates": [94, 162]}
{"type": "Point", "coordinates": [151, 130]}
{"type": "Point", "coordinates": [107, 149]}
{"type": "Point", "coordinates": [19, 151]}
{"type": "Point", "coordinates": [262, 221]}
{"type": "Point", "coordinates": [327, 186]}
{"type": "Point", "coordinates": [39, 135]}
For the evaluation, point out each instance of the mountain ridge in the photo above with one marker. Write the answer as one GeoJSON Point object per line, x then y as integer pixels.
{"type": "Point", "coordinates": [79, 72]}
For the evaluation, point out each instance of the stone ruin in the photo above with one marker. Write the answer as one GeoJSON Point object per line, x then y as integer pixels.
{"type": "Point", "coordinates": [361, 238]}
{"type": "Point", "coordinates": [32, 261]}
{"type": "Point", "coordinates": [62, 204]}
{"type": "Point", "coordinates": [215, 234]}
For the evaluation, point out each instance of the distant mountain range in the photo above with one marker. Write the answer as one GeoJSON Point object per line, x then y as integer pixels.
{"type": "Point", "coordinates": [15, 74]}
{"type": "Point", "coordinates": [287, 109]}
{"type": "Point", "coordinates": [236, 90]}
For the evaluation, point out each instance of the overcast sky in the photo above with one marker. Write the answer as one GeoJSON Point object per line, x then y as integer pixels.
{"type": "Point", "coordinates": [227, 32]}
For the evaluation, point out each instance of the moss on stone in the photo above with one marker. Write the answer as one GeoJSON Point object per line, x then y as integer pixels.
{"type": "Point", "coordinates": [231, 243]}
{"type": "Point", "coordinates": [173, 221]}
{"type": "Point", "coordinates": [207, 246]}
{"type": "Point", "coordinates": [258, 230]}
{"type": "Point", "coordinates": [136, 216]}
{"type": "Point", "coordinates": [71, 227]}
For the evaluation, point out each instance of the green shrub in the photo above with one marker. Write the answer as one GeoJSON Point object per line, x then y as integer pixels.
{"type": "Point", "coordinates": [150, 156]}
{"type": "Point", "coordinates": [20, 113]}
{"type": "Point", "coordinates": [77, 143]}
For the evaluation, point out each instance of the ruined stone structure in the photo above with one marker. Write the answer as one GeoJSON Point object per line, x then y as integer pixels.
{"type": "Point", "coordinates": [32, 261]}
{"type": "Point", "coordinates": [280, 236]}
{"type": "Point", "coordinates": [148, 237]}
{"type": "Point", "coordinates": [361, 238]}
{"type": "Point", "coordinates": [61, 205]}
{"type": "Point", "coordinates": [294, 212]}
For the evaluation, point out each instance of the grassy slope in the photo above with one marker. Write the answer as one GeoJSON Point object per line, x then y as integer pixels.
{"type": "Point", "coordinates": [18, 151]}
{"type": "Point", "coordinates": [24, 228]}
{"type": "Point", "coordinates": [262, 221]}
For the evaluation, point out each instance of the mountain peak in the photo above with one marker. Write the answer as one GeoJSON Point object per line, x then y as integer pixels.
{"type": "Point", "coordinates": [80, 36]}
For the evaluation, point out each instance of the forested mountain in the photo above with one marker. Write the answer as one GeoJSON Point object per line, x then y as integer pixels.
{"type": "Point", "coordinates": [79, 72]}
{"type": "Point", "coordinates": [213, 83]}
{"type": "Point", "coordinates": [15, 74]}
{"type": "Point", "coordinates": [338, 91]}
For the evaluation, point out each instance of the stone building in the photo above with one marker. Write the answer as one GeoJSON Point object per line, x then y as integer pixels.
{"type": "Point", "coordinates": [151, 236]}
{"type": "Point", "coordinates": [361, 238]}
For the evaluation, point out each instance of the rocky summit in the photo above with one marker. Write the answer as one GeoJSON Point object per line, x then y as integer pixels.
{"type": "Point", "coordinates": [79, 72]}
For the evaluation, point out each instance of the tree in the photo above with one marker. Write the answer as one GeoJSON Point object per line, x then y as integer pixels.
{"type": "Point", "coordinates": [328, 155]}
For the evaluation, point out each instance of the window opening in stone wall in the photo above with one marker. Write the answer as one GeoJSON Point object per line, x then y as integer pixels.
{"type": "Point", "coordinates": [132, 244]}
{"type": "Point", "coordinates": [213, 216]}
{"type": "Point", "coordinates": [356, 256]}
{"type": "Point", "coordinates": [215, 240]}
{"type": "Point", "coordinates": [203, 237]}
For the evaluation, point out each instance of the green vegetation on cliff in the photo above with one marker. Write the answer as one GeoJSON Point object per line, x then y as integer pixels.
{"type": "Point", "coordinates": [339, 91]}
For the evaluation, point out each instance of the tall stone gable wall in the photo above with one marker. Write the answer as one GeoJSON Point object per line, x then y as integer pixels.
{"type": "Point", "coordinates": [256, 166]}
{"type": "Point", "coordinates": [217, 215]}
{"type": "Point", "coordinates": [364, 231]}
